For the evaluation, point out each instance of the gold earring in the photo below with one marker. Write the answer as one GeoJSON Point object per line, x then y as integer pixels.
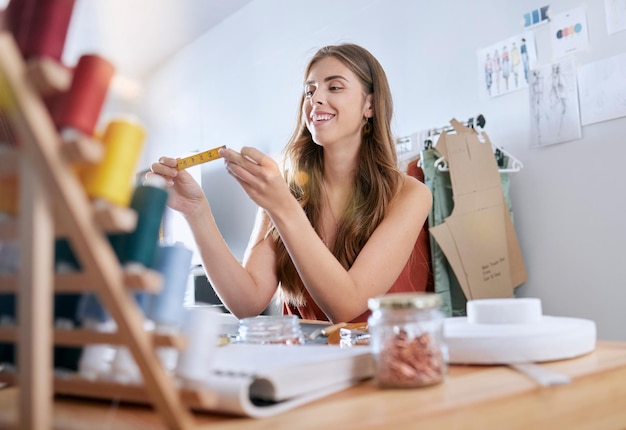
{"type": "Point", "coordinates": [367, 128]}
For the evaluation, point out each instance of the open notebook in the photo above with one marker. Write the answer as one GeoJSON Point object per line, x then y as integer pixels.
{"type": "Point", "coordinates": [264, 380]}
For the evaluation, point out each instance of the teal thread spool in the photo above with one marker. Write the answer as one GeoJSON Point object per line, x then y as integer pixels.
{"type": "Point", "coordinates": [139, 247]}
{"type": "Point", "coordinates": [64, 257]}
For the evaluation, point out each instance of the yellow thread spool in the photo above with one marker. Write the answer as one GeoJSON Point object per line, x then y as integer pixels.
{"type": "Point", "coordinates": [7, 99]}
{"type": "Point", "coordinates": [9, 195]}
{"type": "Point", "coordinates": [112, 179]}
{"type": "Point", "coordinates": [9, 185]}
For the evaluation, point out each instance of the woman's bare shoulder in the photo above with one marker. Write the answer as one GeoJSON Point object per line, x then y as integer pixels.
{"type": "Point", "coordinates": [413, 189]}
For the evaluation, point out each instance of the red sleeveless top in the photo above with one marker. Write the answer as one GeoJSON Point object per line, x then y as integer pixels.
{"type": "Point", "coordinates": [415, 277]}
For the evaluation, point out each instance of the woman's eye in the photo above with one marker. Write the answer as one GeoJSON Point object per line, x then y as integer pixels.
{"type": "Point", "coordinates": [335, 88]}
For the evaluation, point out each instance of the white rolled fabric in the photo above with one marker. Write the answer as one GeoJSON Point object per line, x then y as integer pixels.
{"type": "Point", "coordinates": [502, 332]}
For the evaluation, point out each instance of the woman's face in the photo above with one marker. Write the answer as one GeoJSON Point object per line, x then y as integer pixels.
{"type": "Point", "coordinates": [335, 105]}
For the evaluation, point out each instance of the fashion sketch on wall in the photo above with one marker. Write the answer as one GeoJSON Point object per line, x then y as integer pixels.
{"type": "Point", "coordinates": [615, 15]}
{"type": "Point", "coordinates": [554, 110]}
{"type": "Point", "coordinates": [602, 90]}
{"type": "Point", "coordinates": [503, 67]}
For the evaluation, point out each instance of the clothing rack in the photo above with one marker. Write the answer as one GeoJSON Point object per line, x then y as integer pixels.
{"type": "Point", "coordinates": [425, 136]}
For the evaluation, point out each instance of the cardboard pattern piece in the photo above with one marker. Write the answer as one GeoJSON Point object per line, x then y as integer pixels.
{"type": "Point", "coordinates": [478, 237]}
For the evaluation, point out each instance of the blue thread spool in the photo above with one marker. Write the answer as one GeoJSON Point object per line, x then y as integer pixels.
{"type": "Point", "coordinates": [90, 309]}
{"type": "Point", "coordinates": [166, 308]}
{"type": "Point", "coordinates": [174, 264]}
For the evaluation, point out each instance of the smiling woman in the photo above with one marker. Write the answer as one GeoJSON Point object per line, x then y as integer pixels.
{"type": "Point", "coordinates": [323, 232]}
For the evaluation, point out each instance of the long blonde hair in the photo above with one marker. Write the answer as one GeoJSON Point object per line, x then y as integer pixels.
{"type": "Point", "coordinates": [376, 180]}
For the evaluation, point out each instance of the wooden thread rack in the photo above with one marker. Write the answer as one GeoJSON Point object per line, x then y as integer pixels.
{"type": "Point", "coordinates": [54, 204]}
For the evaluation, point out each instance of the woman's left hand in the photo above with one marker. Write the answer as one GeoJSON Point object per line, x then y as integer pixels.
{"type": "Point", "coordinates": [259, 176]}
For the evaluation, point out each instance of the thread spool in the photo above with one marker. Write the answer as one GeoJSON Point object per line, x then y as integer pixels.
{"type": "Point", "coordinates": [124, 368]}
{"type": "Point", "coordinates": [7, 309]}
{"type": "Point", "coordinates": [90, 308]}
{"type": "Point", "coordinates": [9, 257]}
{"type": "Point", "coordinates": [101, 361]}
{"type": "Point", "coordinates": [66, 306]}
{"type": "Point", "coordinates": [64, 258]}
{"type": "Point", "coordinates": [7, 134]}
{"type": "Point", "coordinates": [174, 264]}
{"type": "Point", "coordinates": [79, 108]}
{"type": "Point", "coordinates": [9, 195]}
{"type": "Point", "coordinates": [166, 308]}
{"type": "Point", "coordinates": [140, 246]}
{"type": "Point", "coordinates": [95, 360]}
{"type": "Point", "coordinates": [111, 180]}
{"type": "Point", "coordinates": [18, 18]}
{"type": "Point", "coordinates": [65, 318]}
{"type": "Point", "coordinates": [202, 328]}
{"type": "Point", "coordinates": [47, 28]}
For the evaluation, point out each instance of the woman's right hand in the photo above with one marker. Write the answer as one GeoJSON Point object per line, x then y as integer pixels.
{"type": "Point", "coordinates": [185, 194]}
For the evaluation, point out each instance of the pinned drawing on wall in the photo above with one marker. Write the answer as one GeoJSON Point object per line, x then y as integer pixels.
{"type": "Point", "coordinates": [615, 15]}
{"type": "Point", "coordinates": [602, 90]}
{"type": "Point", "coordinates": [503, 66]}
{"type": "Point", "coordinates": [536, 17]}
{"type": "Point", "coordinates": [568, 33]}
{"type": "Point", "coordinates": [553, 94]}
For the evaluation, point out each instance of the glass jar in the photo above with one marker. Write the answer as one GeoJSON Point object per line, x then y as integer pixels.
{"type": "Point", "coordinates": [270, 329]}
{"type": "Point", "coordinates": [406, 338]}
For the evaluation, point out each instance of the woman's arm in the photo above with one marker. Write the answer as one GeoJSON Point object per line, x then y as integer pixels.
{"type": "Point", "coordinates": [235, 286]}
{"type": "Point", "coordinates": [341, 294]}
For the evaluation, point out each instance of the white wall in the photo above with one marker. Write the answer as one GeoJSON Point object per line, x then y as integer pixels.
{"type": "Point", "coordinates": [240, 84]}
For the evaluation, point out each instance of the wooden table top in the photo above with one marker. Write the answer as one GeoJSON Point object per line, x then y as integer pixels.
{"type": "Point", "coordinates": [472, 397]}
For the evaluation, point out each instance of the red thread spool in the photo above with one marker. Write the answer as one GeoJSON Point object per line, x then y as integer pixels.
{"type": "Point", "coordinates": [80, 106]}
{"type": "Point", "coordinates": [7, 134]}
{"type": "Point", "coordinates": [47, 29]}
{"type": "Point", "coordinates": [17, 19]}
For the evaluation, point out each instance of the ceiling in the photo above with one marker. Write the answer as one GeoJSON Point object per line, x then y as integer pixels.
{"type": "Point", "coordinates": [138, 35]}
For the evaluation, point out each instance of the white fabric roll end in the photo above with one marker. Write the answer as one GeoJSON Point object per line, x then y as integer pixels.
{"type": "Point", "coordinates": [504, 311]}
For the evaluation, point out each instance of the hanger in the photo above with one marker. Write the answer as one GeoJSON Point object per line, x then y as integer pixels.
{"type": "Point", "coordinates": [513, 165]}
{"type": "Point", "coordinates": [477, 124]}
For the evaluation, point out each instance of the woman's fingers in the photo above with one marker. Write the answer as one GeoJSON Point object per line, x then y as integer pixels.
{"type": "Point", "coordinates": [165, 167]}
{"type": "Point", "coordinates": [252, 155]}
{"type": "Point", "coordinates": [168, 161]}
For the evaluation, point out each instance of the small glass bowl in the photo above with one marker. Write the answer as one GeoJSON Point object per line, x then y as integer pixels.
{"type": "Point", "coordinates": [270, 329]}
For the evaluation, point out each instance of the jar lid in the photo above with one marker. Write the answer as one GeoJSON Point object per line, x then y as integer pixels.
{"type": "Point", "coordinates": [405, 301]}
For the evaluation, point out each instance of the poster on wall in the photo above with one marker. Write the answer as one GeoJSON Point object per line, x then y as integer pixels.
{"type": "Point", "coordinates": [554, 110]}
{"type": "Point", "coordinates": [602, 90]}
{"type": "Point", "coordinates": [503, 66]}
{"type": "Point", "coordinates": [615, 15]}
{"type": "Point", "coordinates": [568, 33]}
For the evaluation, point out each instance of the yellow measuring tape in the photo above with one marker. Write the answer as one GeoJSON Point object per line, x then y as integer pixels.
{"type": "Point", "coordinates": [202, 157]}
